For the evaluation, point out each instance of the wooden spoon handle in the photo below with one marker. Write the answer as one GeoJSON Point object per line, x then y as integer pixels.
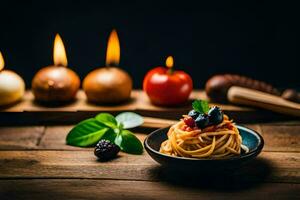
{"type": "Point", "coordinates": [246, 96]}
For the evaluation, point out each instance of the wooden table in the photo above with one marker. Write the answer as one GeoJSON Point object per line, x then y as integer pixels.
{"type": "Point", "coordinates": [35, 162]}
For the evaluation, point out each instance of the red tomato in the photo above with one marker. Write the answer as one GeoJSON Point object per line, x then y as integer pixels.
{"type": "Point", "coordinates": [167, 89]}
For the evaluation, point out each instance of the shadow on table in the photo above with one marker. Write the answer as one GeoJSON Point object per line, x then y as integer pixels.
{"type": "Point", "coordinates": [249, 176]}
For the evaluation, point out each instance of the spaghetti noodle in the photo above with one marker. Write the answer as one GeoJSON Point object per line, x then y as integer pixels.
{"type": "Point", "coordinates": [217, 141]}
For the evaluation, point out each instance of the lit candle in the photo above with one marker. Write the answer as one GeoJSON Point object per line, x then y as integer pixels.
{"type": "Point", "coordinates": [167, 87]}
{"type": "Point", "coordinates": [56, 83]}
{"type": "Point", "coordinates": [109, 84]}
{"type": "Point", "coordinates": [12, 86]}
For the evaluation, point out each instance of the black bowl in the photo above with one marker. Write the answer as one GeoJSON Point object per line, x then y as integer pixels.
{"type": "Point", "coordinates": [251, 139]}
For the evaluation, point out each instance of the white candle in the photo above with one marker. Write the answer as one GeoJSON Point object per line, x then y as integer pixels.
{"type": "Point", "coordinates": [12, 86]}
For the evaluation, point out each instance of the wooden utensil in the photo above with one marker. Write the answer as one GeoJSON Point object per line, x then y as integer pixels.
{"type": "Point", "coordinates": [246, 96]}
{"type": "Point", "coordinates": [217, 87]}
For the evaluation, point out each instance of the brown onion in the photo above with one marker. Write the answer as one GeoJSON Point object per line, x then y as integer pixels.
{"type": "Point", "coordinates": [55, 84]}
{"type": "Point", "coordinates": [107, 85]}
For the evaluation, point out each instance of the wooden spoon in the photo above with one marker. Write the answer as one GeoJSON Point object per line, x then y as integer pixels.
{"type": "Point", "coordinates": [246, 96]}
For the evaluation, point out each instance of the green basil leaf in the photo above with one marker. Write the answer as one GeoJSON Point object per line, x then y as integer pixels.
{"type": "Point", "coordinates": [129, 119]}
{"type": "Point", "coordinates": [86, 133]}
{"type": "Point", "coordinates": [107, 119]}
{"type": "Point", "coordinates": [129, 143]}
{"type": "Point", "coordinates": [109, 135]}
{"type": "Point", "coordinates": [201, 106]}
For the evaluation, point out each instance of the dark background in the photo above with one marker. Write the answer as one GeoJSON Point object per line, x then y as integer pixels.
{"type": "Point", "coordinates": [254, 38]}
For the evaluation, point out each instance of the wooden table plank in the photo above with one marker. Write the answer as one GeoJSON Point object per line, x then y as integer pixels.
{"type": "Point", "coordinates": [139, 100]}
{"type": "Point", "coordinates": [29, 112]}
{"type": "Point", "coordinates": [112, 189]}
{"type": "Point", "coordinates": [269, 167]}
{"type": "Point", "coordinates": [281, 138]}
{"type": "Point", "coordinates": [20, 137]}
{"type": "Point", "coordinates": [277, 138]}
{"type": "Point", "coordinates": [55, 138]}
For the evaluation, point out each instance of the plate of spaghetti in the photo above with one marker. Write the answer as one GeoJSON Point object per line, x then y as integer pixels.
{"type": "Point", "coordinates": [202, 138]}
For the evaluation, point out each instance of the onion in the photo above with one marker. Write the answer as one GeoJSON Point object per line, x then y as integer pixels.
{"type": "Point", "coordinates": [55, 84]}
{"type": "Point", "coordinates": [12, 87]}
{"type": "Point", "coordinates": [107, 85]}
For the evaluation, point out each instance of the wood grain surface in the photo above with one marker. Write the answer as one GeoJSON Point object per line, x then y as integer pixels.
{"type": "Point", "coordinates": [35, 163]}
{"type": "Point", "coordinates": [123, 189]}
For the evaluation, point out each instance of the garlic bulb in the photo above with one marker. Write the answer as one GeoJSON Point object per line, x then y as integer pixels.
{"type": "Point", "coordinates": [12, 87]}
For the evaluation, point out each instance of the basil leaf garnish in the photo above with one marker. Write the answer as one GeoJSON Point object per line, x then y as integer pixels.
{"type": "Point", "coordinates": [129, 120]}
{"type": "Point", "coordinates": [129, 143]}
{"type": "Point", "coordinates": [86, 133]}
{"type": "Point", "coordinates": [110, 135]}
{"type": "Point", "coordinates": [107, 119]}
{"type": "Point", "coordinates": [201, 106]}
{"type": "Point", "coordinates": [105, 126]}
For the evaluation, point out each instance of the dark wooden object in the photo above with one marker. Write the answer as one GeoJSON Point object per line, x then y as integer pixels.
{"type": "Point", "coordinates": [245, 96]}
{"type": "Point", "coordinates": [242, 90]}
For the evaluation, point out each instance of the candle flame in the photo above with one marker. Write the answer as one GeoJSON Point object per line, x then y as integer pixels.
{"type": "Point", "coordinates": [169, 62]}
{"type": "Point", "coordinates": [59, 52]}
{"type": "Point", "coordinates": [113, 49]}
{"type": "Point", "coordinates": [1, 61]}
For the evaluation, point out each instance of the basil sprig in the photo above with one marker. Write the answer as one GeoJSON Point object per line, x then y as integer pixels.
{"type": "Point", "coordinates": [105, 126]}
{"type": "Point", "coordinates": [201, 106]}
